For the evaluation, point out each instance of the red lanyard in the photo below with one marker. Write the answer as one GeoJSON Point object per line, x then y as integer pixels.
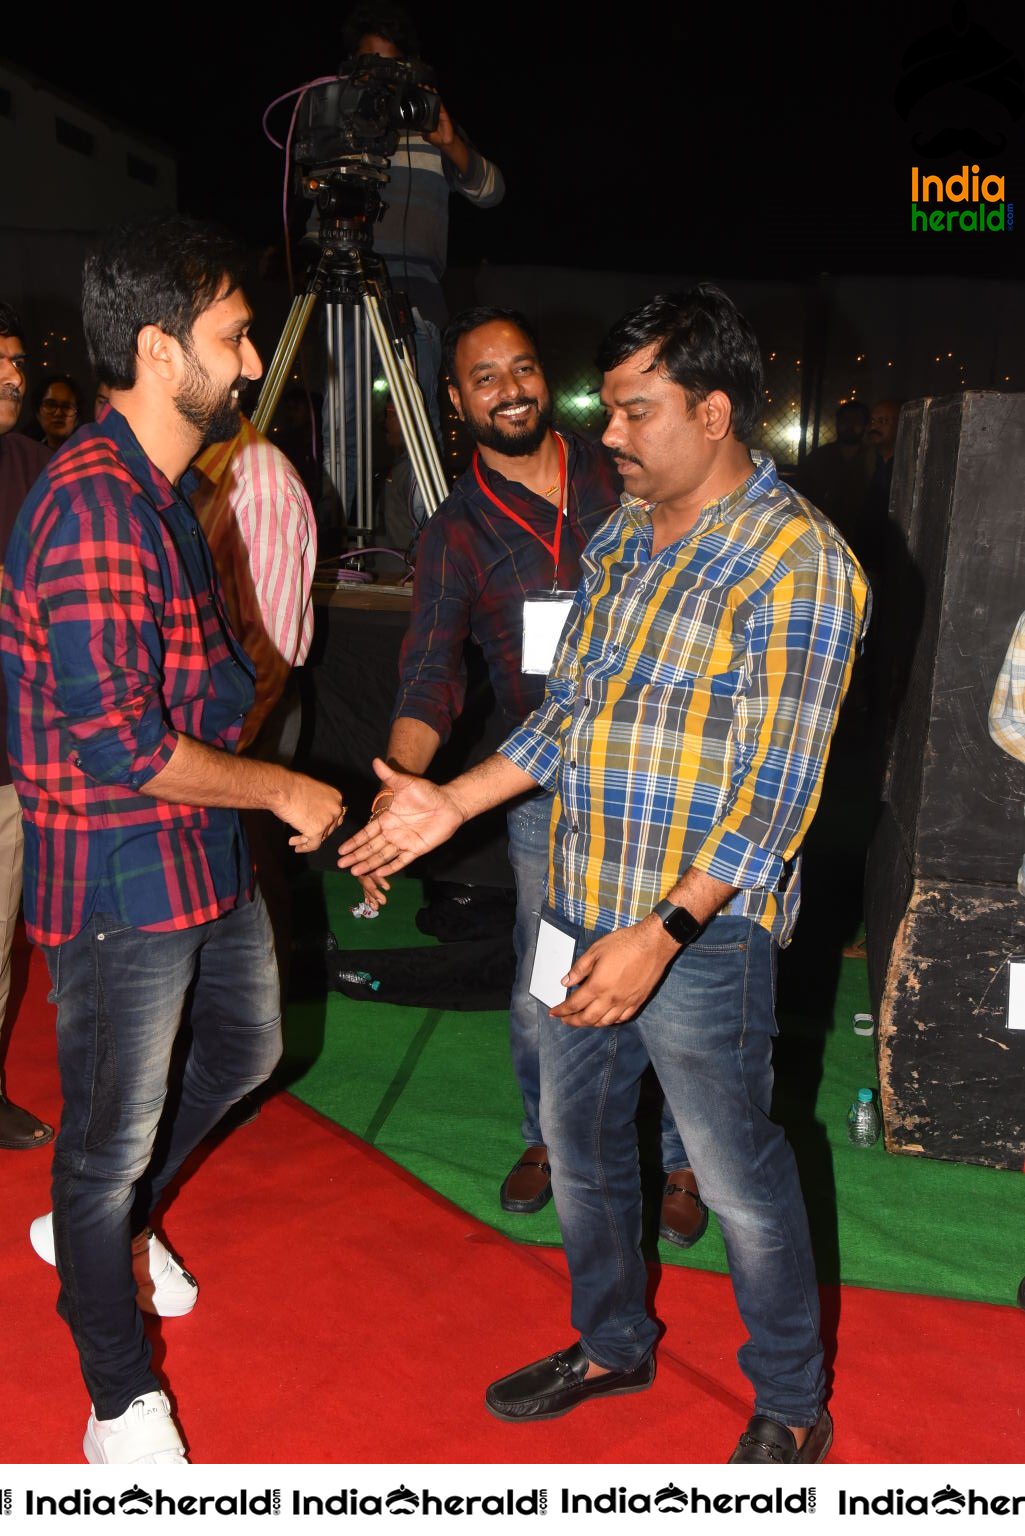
{"type": "Point", "coordinates": [560, 516]}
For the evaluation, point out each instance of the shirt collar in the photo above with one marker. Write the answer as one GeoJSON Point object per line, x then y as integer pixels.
{"type": "Point", "coordinates": [761, 482]}
{"type": "Point", "coordinates": [152, 480]}
{"type": "Point", "coordinates": [509, 489]}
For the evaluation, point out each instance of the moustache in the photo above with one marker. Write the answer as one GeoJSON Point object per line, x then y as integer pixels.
{"type": "Point", "coordinates": [629, 458]}
{"type": "Point", "coordinates": [10, 392]}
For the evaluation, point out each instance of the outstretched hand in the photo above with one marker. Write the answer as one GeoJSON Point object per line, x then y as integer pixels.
{"type": "Point", "coordinates": [420, 816]}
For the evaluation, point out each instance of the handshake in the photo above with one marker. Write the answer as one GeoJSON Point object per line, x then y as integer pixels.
{"type": "Point", "coordinates": [409, 817]}
{"type": "Point", "coordinates": [609, 981]}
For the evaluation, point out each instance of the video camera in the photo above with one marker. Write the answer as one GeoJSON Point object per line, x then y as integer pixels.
{"type": "Point", "coordinates": [356, 119]}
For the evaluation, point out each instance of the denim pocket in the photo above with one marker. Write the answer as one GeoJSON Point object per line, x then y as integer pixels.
{"type": "Point", "coordinates": [113, 930]}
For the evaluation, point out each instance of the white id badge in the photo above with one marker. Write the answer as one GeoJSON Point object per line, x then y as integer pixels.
{"type": "Point", "coordinates": [553, 957]}
{"type": "Point", "coordinates": [544, 619]}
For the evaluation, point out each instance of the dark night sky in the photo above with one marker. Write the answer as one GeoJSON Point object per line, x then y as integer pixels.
{"type": "Point", "coordinates": [707, 142]}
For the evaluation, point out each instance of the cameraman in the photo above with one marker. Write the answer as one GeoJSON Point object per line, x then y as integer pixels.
{"type": "Point", "coordinates": [426, 168]}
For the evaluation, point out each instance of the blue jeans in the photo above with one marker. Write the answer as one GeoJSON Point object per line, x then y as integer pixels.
{"type": "Point", "coordinates": [121, 997]}
{"type": "Point", "coordinates": [708, 1030]}
{"type": "Point", "coordinates": [530, 825]}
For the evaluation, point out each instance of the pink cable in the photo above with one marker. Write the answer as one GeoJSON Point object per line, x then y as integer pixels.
{"type": "Point", "coordinates": [299, 92]}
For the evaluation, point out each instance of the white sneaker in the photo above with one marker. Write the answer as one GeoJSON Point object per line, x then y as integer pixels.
{"type": "Point", "coordinates": [144, 1433]}
{"type": "Point", "coordinates": [165, 1287]}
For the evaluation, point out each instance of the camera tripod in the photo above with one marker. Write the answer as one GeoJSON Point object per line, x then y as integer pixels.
{"type": "Point", "coordinates": [361, 308]}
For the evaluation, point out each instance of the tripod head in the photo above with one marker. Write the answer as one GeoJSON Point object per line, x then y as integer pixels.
{"type": "Point", "coordinates": [348, 203]}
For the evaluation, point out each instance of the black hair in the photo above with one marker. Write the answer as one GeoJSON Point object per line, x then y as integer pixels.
{"type": "Point", "coordinates": [165, 272]}
{"type": "Point", "coordinates": [380, 18]}
{"type": "Point", "coordinates": [847, 406]}
{"type": "Point", "coordinates": [702, 342]}
{"type": "Point", "coordinates": [10, 321]}
{"type": "Point", "coordinates": [42, 385]}
{"type": "Point", "coordinates": [470, 320]}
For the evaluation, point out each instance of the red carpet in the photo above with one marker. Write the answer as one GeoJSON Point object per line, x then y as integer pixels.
{"type": "Point", "coordinates": [349, 1315]}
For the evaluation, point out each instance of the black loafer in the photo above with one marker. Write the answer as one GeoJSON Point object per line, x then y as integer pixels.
{"type": "Point", "coordinates": [766, 1443]}
{"type": "Point", "coordinates": [551, 1387]}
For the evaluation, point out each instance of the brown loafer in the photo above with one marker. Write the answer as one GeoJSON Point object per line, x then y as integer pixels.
{"type": "Point", "coordinates": [528, 1184]}
{"type": "Point", "coordinates": [684, 1213]}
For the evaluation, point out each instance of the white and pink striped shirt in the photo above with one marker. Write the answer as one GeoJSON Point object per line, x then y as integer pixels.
{"type": "Point", "coordinates": [259, 523]}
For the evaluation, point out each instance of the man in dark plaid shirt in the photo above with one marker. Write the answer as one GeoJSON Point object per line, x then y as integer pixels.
{"type": "Point", "coordinates": [128, 693]}
{"type": "Point", "coordinates": [514, 524]}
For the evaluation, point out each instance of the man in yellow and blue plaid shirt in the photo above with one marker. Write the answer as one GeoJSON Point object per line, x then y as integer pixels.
{"type": "Point", "coordinates": [684, 730]}
{"type": "Point", "coordinates": [1007, 707]}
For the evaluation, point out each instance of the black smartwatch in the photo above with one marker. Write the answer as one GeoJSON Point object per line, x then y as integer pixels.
{"type": "Point", "coordinates": [680, 924]}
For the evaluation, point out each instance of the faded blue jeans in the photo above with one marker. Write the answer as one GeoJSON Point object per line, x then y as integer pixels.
{"type": "Point", "coordinates": [121, 997]}
{"type": "Point", "coordinates": [529, 825]}
{"type": "Point", "coordinates": [708, 1031]}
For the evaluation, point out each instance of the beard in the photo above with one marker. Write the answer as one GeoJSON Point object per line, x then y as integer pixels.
{"type": "Point", "coordinates": [516, 442]}
{"type": "Point", "coordinates": [215, 415]}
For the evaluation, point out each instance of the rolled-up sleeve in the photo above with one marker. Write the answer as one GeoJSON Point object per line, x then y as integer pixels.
{"type": "Point", "coordinates": [482, 182]}
{"type": "Point", "coordinates": [98, 589]}
{"type": "Point", "coordinates": [801, 643]}
{"type": "Point", "coordinates": [432, 667]}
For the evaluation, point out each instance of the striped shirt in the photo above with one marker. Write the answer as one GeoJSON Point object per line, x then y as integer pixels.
{"type": "Point", "coordinates": [114, 640]}
{"type": "Point", "coordinates": [413, 232]}
{"type": "Point", "coordinates": [690, 708]}
{"type": "Point", "coordinates": [260, 526]}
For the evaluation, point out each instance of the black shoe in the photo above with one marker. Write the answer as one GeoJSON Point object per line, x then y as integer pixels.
{"type": "Point", "coordinates": [20, 1129]}
{"type": "Point", "coordinates": [1021, 1294]}
{"type": "Point", "coordinates": [764, 1442]}
{"type": "Point", "coordinates": [551, 1387]}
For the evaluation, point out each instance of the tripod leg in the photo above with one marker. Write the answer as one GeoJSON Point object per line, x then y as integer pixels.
{"type": "Point", "coordinates": [361, 414]}
{"type": "Point", "coordinates": [411, 411]}
{"type": "Point", "coordinates": [334, 456]}
{"type": "Point", "coordinates": [421, 416]}
{"type": "Point", "coordinates": [367, 517]}
{"type": "Point", "coordinates": [284, 356]}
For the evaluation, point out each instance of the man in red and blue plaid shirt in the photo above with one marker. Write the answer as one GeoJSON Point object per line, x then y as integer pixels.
{"type": "Point", "coordinates": [128, 693]}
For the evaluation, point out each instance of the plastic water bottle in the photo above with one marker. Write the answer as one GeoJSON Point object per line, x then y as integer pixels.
{"type": "Point", "coordinates": [863, 1120]}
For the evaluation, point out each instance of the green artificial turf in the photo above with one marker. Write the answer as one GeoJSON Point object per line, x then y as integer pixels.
{"type": "Point", "coordinates": [434, 1090]}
